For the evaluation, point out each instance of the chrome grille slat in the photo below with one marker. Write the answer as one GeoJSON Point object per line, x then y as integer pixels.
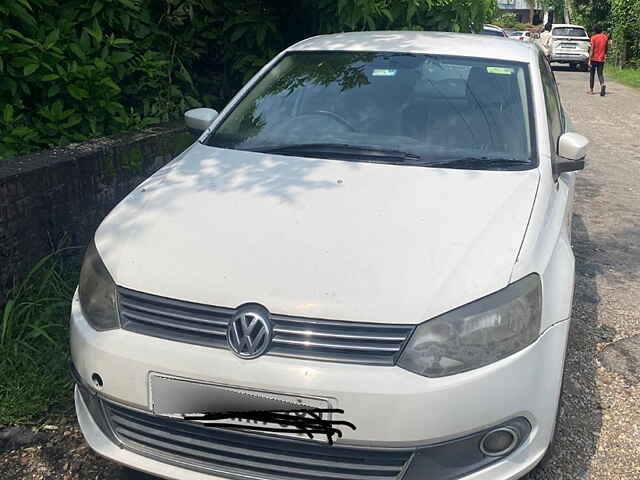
{"type": "Point", "coordinates": [139, 297]}
{"type": "Point", "coordinates": [165, 323]}
{"type": "Point", "coordinates": [232, 453]}
{"type": "Point", "coordinates": [315, 333]}
{"type": "Point", "coordinates": [295, 337]}
{"type": "Point", "coordinates": [177, 316]}
{"type": "Point", "coordinates": [308, 343]}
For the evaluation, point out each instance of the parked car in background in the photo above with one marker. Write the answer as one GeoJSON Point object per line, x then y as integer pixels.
{"type": "Point", "coordinates": [493, 30]}
{"type": "Point", "coordinates": [570, 45]}
{"type": "Point", "coordinates": [521, 35]}
{"type": "Point", "coordinates": [372, 237]}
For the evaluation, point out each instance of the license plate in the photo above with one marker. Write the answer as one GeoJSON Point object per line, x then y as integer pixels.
{"type": "Point", "coordinates": [568, 45]}
{"type": "Point", "coordinates": [177, 398]}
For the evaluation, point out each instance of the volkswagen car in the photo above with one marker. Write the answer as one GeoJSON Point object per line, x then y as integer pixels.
{"type": "Point", "coordinates": [361, 269]}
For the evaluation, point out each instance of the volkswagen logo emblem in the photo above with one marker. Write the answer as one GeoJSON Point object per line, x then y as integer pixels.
{"type": "Point", "coordinates": [249, 333]}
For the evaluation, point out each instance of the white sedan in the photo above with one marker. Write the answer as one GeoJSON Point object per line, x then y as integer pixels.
{"type": "Point", "coordinates": [361, 270]}
{"type": "Point", "coordinates": [521, 35]}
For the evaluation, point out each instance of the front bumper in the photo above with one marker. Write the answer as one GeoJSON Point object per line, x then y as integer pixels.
{"type": "Point", "coordinates": [392, 408]}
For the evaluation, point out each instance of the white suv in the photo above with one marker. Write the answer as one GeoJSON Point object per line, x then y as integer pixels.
{"type": "Point", "coordinates": [570, 44]}
{"type": "Point", "coordinates": [361, 270]}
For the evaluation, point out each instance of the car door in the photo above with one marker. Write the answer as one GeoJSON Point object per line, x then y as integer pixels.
{"type": "Point", "coordinates": [558, 124]}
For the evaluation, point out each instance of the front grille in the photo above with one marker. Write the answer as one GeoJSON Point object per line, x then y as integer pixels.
{"type": "Point", "coordinates": [325, 340]}
{"type": "Point", "coordinates": [236, 454]}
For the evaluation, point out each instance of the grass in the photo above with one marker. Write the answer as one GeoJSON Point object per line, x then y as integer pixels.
{"type": "Point", "coordinates": [626, 76]}
{"type": "Point", "coordinates": [34, 339]}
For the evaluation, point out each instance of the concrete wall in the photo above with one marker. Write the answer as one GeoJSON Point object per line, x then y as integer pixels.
{"type": "Point", "coordinates": [66, 192]}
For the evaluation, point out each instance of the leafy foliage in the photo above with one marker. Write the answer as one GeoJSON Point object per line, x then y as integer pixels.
{"type": "Point", "coordinates": [506, 20]}
{"type": "Point", "coordinates": [75, 69]}
{"type": "Point", "coordinates": [625, 21]}
{"type": "Point", "coordinates": [34, 340]}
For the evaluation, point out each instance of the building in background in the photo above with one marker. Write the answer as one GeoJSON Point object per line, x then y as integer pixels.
{"type": "Point", "coordinates": [522, 10]}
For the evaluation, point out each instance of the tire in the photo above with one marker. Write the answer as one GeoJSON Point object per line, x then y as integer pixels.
{"type": "Point", "coordinates": [573, 66]}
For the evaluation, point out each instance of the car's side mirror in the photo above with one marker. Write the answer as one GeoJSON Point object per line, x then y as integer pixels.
{"type": "Point", "coordinates": [572, 150]}
{"type": "Point", "coordinates": [199, 119]}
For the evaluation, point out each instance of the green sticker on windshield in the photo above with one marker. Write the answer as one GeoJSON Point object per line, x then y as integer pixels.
{"type": "Point", "coordinates": [500, 70]}
{"type": "Point", "coordinates": [384, 72]}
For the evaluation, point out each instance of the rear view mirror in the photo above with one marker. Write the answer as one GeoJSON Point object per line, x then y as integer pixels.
{"type": "Point", "coordinates": [199, 119]}
{"type": "Point", "coordinates": [572, 150]}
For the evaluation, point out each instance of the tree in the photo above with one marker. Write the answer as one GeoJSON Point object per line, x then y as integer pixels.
{"type": "Point", "coordinates": [532, 5]}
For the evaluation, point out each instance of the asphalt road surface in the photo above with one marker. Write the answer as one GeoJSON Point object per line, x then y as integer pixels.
{"type": "Point", "coordinates": [599, 429]}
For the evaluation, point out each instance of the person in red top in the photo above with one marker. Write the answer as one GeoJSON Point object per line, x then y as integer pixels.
{"type": "Point", "coordinates": [599, 46]}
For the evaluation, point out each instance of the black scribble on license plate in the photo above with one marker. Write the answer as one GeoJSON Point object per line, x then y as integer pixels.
{"type": "Point", "coordinates": [308, 422]}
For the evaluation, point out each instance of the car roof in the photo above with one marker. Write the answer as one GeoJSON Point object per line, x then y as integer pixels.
{"type": "Point", "coordinates": [433, 43]}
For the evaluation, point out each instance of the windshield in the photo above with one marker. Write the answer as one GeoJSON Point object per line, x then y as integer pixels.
{"type": "Point", "coordinates": [419, 107]}
{"type": "Point", "coordinates": [569, 32]}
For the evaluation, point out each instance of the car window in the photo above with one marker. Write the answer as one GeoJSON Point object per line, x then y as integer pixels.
{"type": "Point", "coordinates": [569, 32]}
{"type": "Point", "coordinates": [434, 107]}
{"type": "Point", "coordinates": [553, 105]}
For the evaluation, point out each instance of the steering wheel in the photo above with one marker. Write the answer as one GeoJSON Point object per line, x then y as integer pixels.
{"type": "Point", "coordinates": [331, 115]}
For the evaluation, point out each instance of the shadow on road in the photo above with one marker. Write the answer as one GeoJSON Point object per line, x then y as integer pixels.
{"type": "Point", "coordinates": [580, 411]}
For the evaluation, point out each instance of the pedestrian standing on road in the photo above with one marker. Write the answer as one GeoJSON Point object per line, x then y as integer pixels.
{"type": "Point", "coordinates": [599, 47]}
{"type": "Point", "coordinates": [546, 41]}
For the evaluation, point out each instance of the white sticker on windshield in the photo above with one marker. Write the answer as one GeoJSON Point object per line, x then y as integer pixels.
{"type": "Point", "coordinates": [500, 70]}
{"type": "Point", "coordinates": [384, 72]}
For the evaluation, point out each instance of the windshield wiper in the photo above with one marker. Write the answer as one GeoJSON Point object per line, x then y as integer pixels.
{"type": "Point", "coordinates": [482, 163]}
{"type": "Point", "coordinates": [340, 149]}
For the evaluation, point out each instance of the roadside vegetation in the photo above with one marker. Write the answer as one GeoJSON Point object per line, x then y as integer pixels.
{"type": "Point", "coordinates": [509, 21]}
{"type": "Point", "coordinates": [76, 69]}
{"type": "Point", "coordinates": [34, 352]}
{"type": "Point", "coordinates": [627, 76]}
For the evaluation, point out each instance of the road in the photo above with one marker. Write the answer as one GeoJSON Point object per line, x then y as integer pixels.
{"type": "Point", "coordinates": [599, 429]}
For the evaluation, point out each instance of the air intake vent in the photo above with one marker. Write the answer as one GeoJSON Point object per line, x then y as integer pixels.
{"type": "Point", "coordinates": [234, 454]}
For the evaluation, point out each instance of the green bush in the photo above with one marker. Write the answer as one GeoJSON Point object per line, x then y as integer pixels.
{"type": "Point", "coordinates": [625, 16]}
{"type": "Point", "coordinates": [76, 69]}
{"type": "Point", "coordinates": [72, 69]}
{"type": "Point", "coordinates": [506, 20]}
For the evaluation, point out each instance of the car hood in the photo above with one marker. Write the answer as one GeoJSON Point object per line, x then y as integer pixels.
{"type": "Point", "coordinates": [318, 238]}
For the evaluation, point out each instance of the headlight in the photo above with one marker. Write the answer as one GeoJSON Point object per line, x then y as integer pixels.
{"type": "Point", "coordinates": [477, 334]}
{"type": "Point", "coordinates": [97, 292]}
